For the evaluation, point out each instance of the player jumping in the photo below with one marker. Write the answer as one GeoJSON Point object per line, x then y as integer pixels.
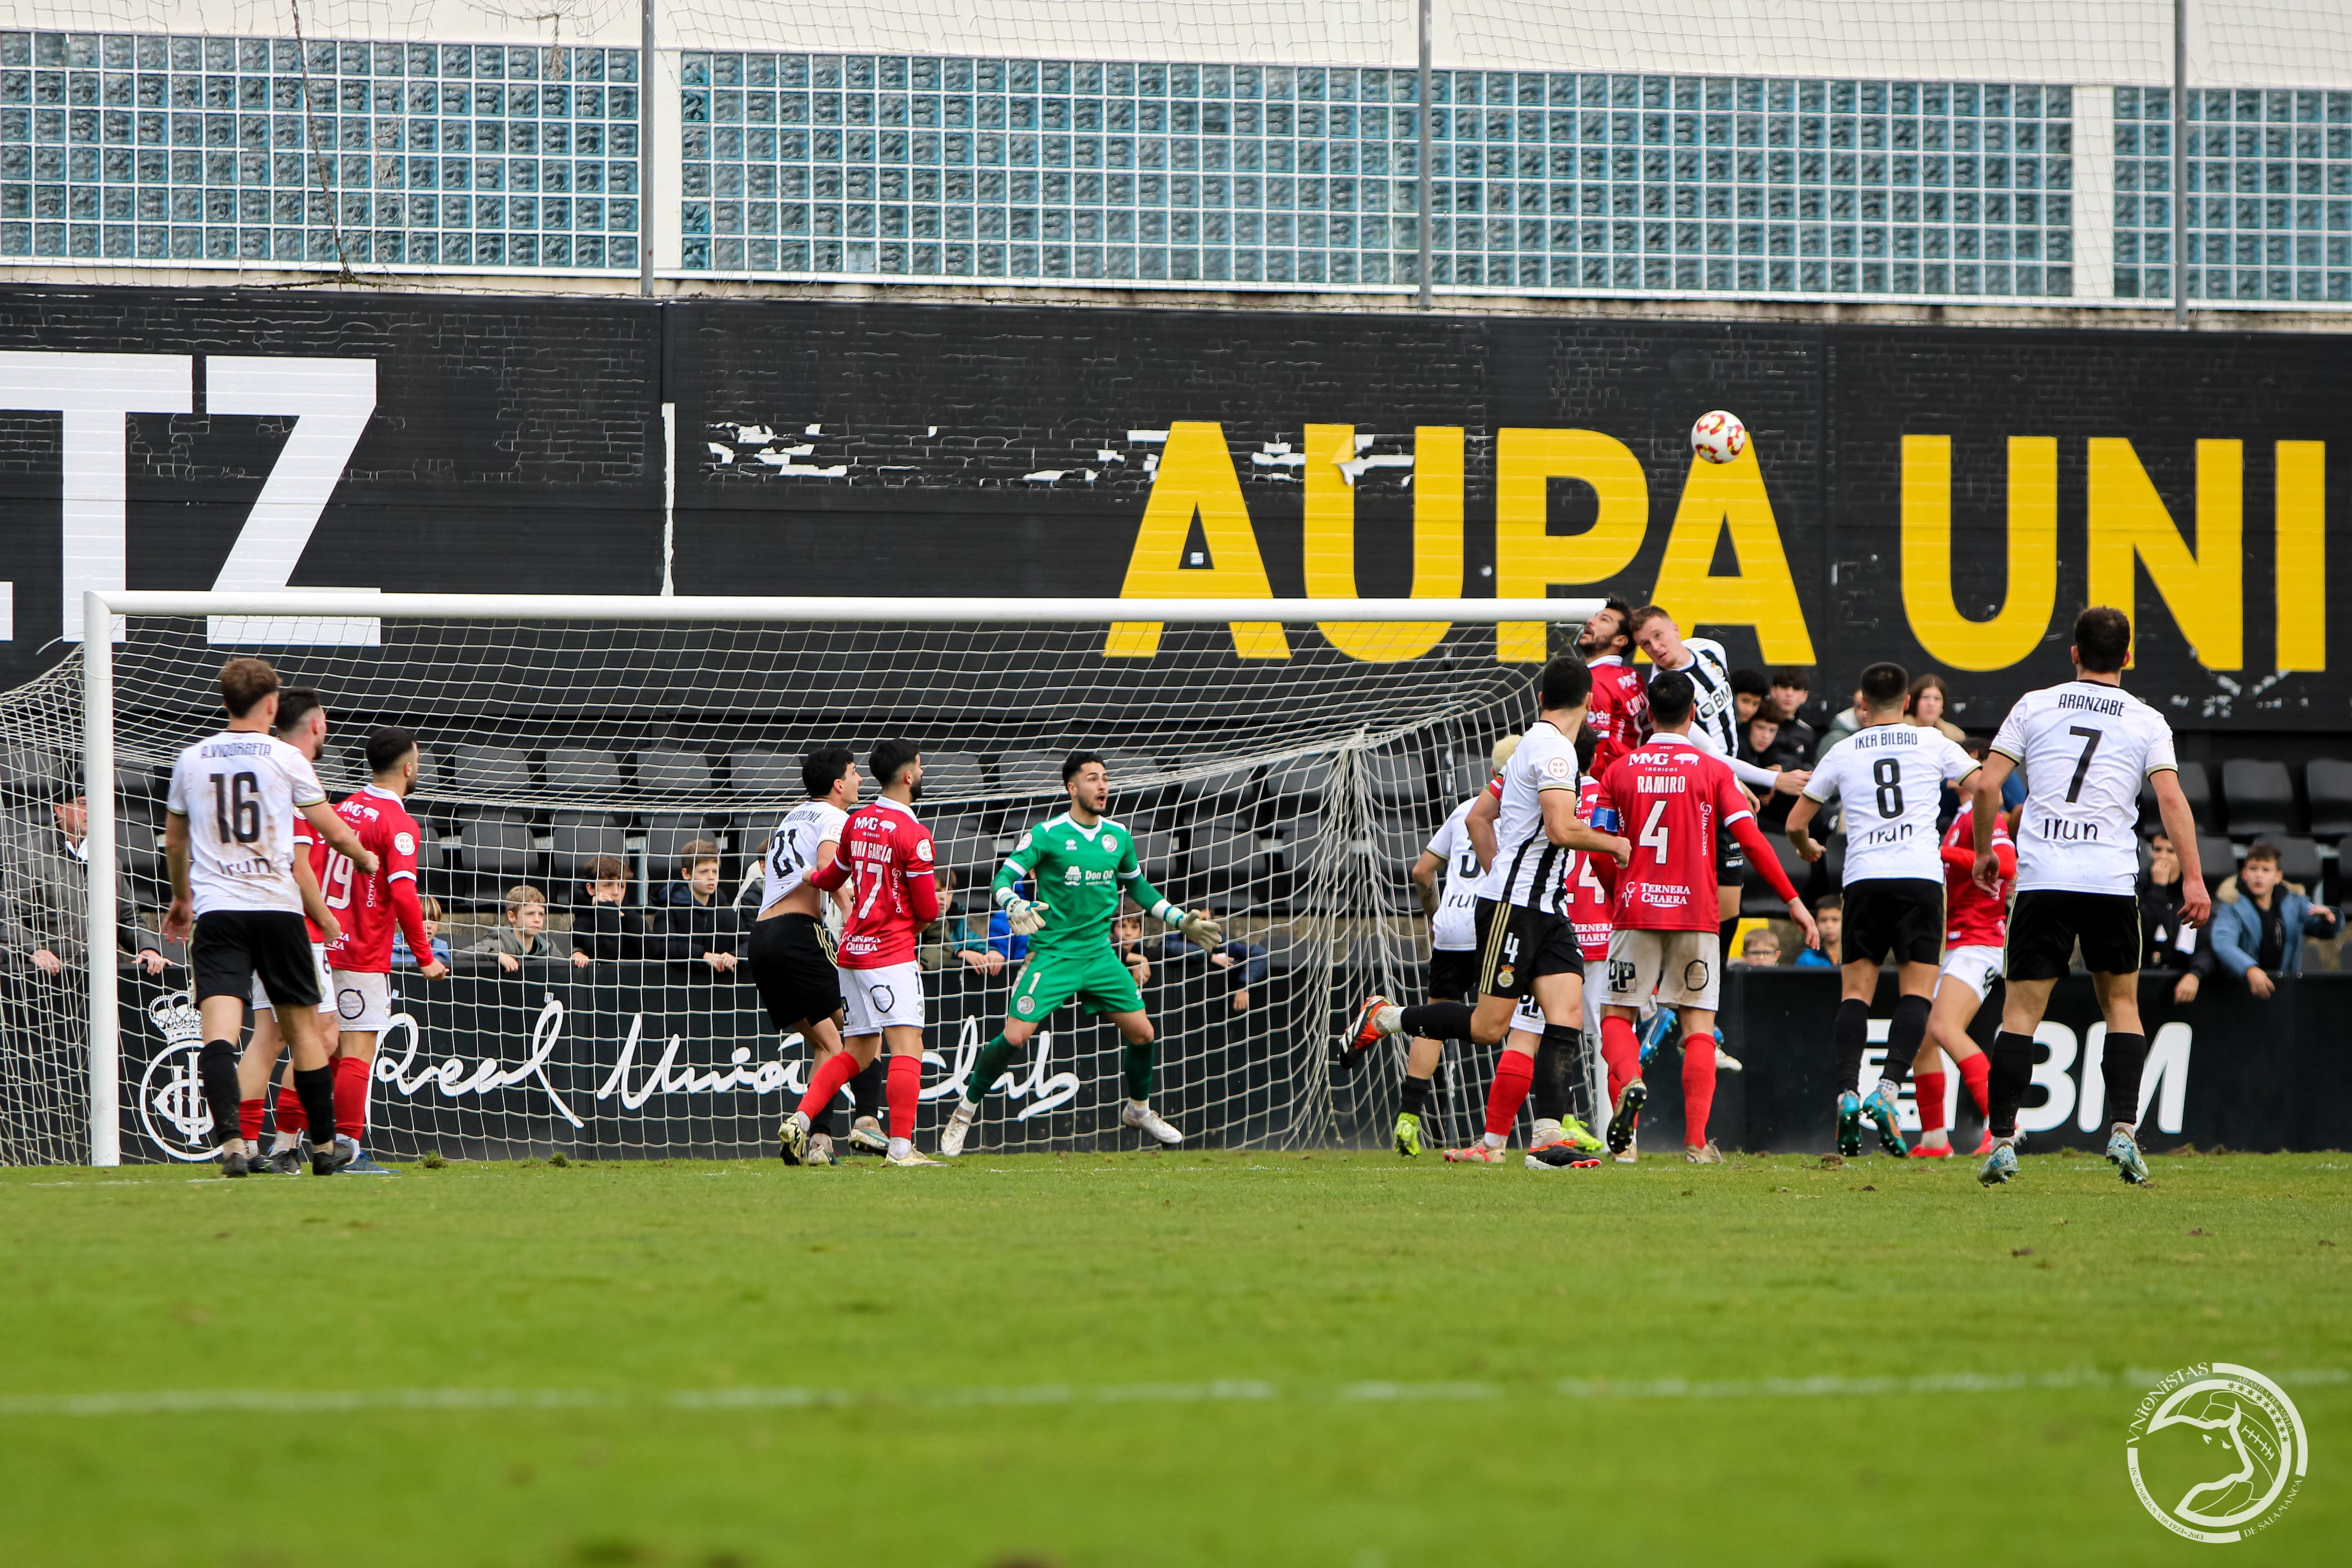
{"type": "Point", "coordinates": [1080, 862]}
{"type": "Point", "coordinates": [798, 984]}
{"type": "Point", "coordinates": [1976, 927]}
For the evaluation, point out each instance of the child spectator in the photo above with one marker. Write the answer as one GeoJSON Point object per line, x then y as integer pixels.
{"type": "Point", "coordinates": [1760, 949]}
{"type": "Point", "coordinates": [525, 934]}
{"type": "Point", "coordinates": [699, 927]}
{"type": "Point", "coordinates": [604, 926]}
{"type": "Point", "coordinates": [402, 958]}
{"type": "Point", "coordinates": [958, 938]}
{"type": "Point", "coordinates": [1750, 690]}
{"type": "Point", "coordinates": [2165, 945]}
{"type": "Point", "coordinates": [1830, 915]}
{"type": "Point", "coordinates": [1245, 962]}
{"type": "Point", "coordinates": [2258, 936]}
{"type": "Point", "coordinates": [1791, 689]}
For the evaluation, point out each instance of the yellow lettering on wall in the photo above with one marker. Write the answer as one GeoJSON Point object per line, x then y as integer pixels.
{"type": "Point", "coordinates": [2301, 587]}
{"type": "Point", "coordinates": [1196, 478]}
{"type": "Point", "coordinates": [1529, 558]}
{"type": "Point", "coordinates": [1717, 496]}
{"type": "Point", "coordinates": [1948, 636]}
{"type": "Point", "coordinates": [1331, 538]}
{"type": "Point", "coordinates": [2204, 588]}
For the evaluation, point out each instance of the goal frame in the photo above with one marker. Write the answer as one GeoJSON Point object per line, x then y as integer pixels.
{"type": "Point", "coordinates": [101, 609]}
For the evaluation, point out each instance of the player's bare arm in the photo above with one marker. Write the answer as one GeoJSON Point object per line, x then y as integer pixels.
{"type": "Point", "coordinates": [1480, 825]}
{"type": "Point", "coordinates": [1424, 881]}
{"type": "Point", "coordinates": [1564, 828]}
{"type": "Point", "coordinates": [2172, 807]}
{"type": "Point", "coordinates": [1989, 780]}
{"type": "Point", "coordinates": [1800, 817]}
{"type": "Point", "coordinates": [180, 917]}
{"type": "Point", "coordinates": [339, 835]}
{"type": "Point", "coordinates": [314, 902]}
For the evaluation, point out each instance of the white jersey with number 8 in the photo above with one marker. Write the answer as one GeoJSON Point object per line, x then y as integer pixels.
{"type": "Point", "coordinates": [240, 791]}
{"type": "Point", "coordinates": [2084, 748]}
{"type": "Point", "coordinates": [1890, 777]}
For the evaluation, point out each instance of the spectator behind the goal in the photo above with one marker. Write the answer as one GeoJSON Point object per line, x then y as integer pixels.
{"type": "Point", "coordinates": [1929, 697]}
{"type": "Point", "coordinates": [525, 936]}
{"type": "Point", "coordinates": [2165, 945]}
{"type": "Point", "coordinates": [402, 958]}
{"type": "Point", "coordinates": [1791, 689]}
{"type": "Point", "coordinates": [1244, 963]}
{"type": "Point", "coordinates": [959, 937]}
{"type": "Point", "coordinates": [1750, 690]}
{"type": "Point", "coordinates": [700, 928]}
{"type": "Point", "coordinates": [602, 924]}
{"type": "Point", "coordinates": [1830, 915]}
{"type": "Point", "coordinates": [2258, 926]}
{"type": "Point", "coordinates": [44, 889]}
{"type": "Point", "coordinates": [1760, 949]}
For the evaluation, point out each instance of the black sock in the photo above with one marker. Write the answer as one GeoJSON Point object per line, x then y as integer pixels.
{"type": "Point", "coordinates": [315, 1087]}
{"type": "Point", "coordinates": [820, 1125]}
{"type": "Point", "coordinates": [2119, 1063]}
{"type": "Point", "coordinates": [1903, 1037]}
{"type": "Point", "coordinates": [2009, 1077]}
{"type": "Point", "coordinates": [1414, 1099]}
{"type": "Point", "coordinates": [217, 1076]}
{"type": "Point", "coordinates": [1556, 1057]}
{"type": "Point", "coordinates": [1852, 1033]}
{"type": "Point", "coordinates": [1437, 1020]}
{"type": "Point", "coordinates": [869, 1088]}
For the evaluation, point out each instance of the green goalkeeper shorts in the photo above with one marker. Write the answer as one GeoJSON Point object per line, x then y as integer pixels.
{"type": "Point", "coordinates": [1096, 978]}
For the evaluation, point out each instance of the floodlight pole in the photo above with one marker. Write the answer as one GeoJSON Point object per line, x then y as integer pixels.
{"type": "Point", "coordinates": [2181, 163]}
{"type": "Point", "coordinates": [98, 843]}
{"type": "Point", "coordinates": [1421, 186]}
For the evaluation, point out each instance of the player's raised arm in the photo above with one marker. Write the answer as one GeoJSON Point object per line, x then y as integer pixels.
{"type": "Point", "coordinates": [1563, 827]}
{"type": "Point", "coordinates": [1480, 825]}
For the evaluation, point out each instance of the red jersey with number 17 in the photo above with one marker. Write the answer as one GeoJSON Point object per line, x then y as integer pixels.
{"type": "Point", "coordinates": [1670, 798]}
{"type": "Point", "coordinates": [886, 856]}
{"type": "Point", "coordinates": [1618, 713]}
{"type": "Point", "coordinates": [369, 905]}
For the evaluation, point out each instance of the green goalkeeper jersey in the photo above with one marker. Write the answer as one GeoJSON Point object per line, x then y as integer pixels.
{"type": "Point", "coordinates": [1079, 873]}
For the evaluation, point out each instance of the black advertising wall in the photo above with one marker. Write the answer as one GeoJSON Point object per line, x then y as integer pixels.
{"type": "Point", "coordinates": [1942, 496]}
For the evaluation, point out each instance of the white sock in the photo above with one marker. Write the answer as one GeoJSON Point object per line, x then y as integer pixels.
{"type": "Point", "coordinates": [1496, 1140]}
{"type": "Point", "coordinates": [901, 1147]}
{"type": "Point", "coordinates": [967, 1109]}
{"type": "Point", "coordinates": [283, 1142]}
{"type": "Point", "coordinates": [1547, 1125]}
{"type": "Point", "coordinates": [1388, 1021]}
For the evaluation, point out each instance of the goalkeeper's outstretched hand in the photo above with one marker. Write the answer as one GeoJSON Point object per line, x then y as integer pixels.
{"type": "Point", "coordinates": [1025, 918]}
{"type": "Point", "coordinates": [1203, 930]}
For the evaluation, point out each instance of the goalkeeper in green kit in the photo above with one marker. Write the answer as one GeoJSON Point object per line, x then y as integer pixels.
{"type": "Point", "coordinates": [1081, 862]}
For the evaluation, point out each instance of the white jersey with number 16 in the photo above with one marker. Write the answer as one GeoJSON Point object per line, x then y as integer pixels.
{"type": "Point", "coordinates": [2084, 748]}
{"type": "Point", "coordinates": [240, 791]}
{"type": "Point", "coordinates": [1891, 779]}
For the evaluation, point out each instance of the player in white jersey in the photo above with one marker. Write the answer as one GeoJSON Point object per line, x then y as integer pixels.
{"type": "Point", "coordinates": [789, 957]}
{"type": "Point", "coordinates": [1714, 727]}
{"type": "Point", "coordinates": [2084, 748]}
{"type": "Point", "coordinates": [229, 843]}
{"type": "Point", "coordinates": [1453, 910]}
{"type": "Point", "coordinates": [1889, 777]}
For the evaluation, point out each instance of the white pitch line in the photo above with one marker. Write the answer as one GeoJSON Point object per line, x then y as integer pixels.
{"type": "Point", "coordinates": [264, 1401]}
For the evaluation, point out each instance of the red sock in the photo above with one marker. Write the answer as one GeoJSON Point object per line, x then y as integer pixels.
{"type": "Point", "coordinates": [289, 1110]}
{"type": "Point", "coordinates": [1698, 1086]}
{"type": "Point", "coordinates": [248, 1118]}
{"type": "Point", "coordinates": [1973, 1073]}
{"type": "Point", "coordinates": [906, 1092]}
{"type": "Point", "coordinates": [831, 1079]}
{"type": "Point", "coordinates": [1514, 1075]}
{"type": "Point", "coordinates": [1929, 1089]}
{"type": "Point", "coordinates": [352, 1097]}
{"type": "Point", "coordinates": [1620, 1048]}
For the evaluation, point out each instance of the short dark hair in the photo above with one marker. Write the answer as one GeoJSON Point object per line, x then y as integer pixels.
{"type": "Point", "coordinates": [1750, 683]}
{"type": "Point", "coordinates": [1625, 613]}
{"type": "Point", "coordinates": [2103, 638]}
{"type": "Point", "coordinates": [387, 746]}
{"type": "Point", "coordinates": [1565, 683]}
{"type": "Point", "coordinates": [1588, 747]}
{"type": "Point", "coordinates": [822, 769]}
{"type": "Point", "coordinates": [1672, 696]}
{"type": "Point", "coordinates": [693, 853]}
{"type": "Point", "coordinates": [1884, 685]}
{"type": "Point", "coordinates": [295, 704]}
{"type": "Point", "coordinates": [605, 868]}
{"type": "Point", "coordinates": [1977, 747]}
{"type": "Point", "coordinates": [890, 759]}
{"type": "Point", "coordinates": [1795, 678]}
{"type": "Point", "coordinates": [1830, 901]}
{"type": "Point", "coordinates": [1077, 759]}
{"type": "Point", "coordinates": [245, 682]}
{"type": "Point", "coordinates": [2261, 850]}
{"type": "Point", "coordinates": [1645, 615]}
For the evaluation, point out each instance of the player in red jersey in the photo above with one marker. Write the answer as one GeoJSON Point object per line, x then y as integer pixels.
{"type": "Point", "coordinates": [1619, 717]}
{"type": "Point", "coordinates": [1976, 929]}
{"type": "Point", "coordinates": [1672, 797]}
{"type": "Point", "coordinates": [886, 857]}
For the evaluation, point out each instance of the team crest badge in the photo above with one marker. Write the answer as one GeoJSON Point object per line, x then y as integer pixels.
{"type": "Point", "coordinates": [1026, 1006]}
{"type": "Point", "coordinates": [1503, 978]}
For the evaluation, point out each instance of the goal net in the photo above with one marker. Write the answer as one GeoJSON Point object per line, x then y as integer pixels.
{"type": "Point", "coordinates": [1283, 772]}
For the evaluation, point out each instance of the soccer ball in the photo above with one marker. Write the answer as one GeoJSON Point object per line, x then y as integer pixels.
{"type": "Point", "coordinates": [1718, 437]}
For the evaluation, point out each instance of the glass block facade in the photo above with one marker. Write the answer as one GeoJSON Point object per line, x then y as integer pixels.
{"type": "Point", "coordinates": [893, 166]}
{"type": "Point", "coordinates": [2269, 199]}
{"type": "Point", "coordinates": [255, 151]}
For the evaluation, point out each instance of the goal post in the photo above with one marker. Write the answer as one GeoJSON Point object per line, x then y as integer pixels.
{"type": "Point", "coordinates": [1371, 725]}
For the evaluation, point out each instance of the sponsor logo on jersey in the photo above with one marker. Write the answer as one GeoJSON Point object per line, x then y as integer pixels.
{"type": "Point", "coordinates": [1662, 897]}
{"type": "Point", "coordinates": [923, 852]}
{"type": "Point", "coordinates": [1110, 842]}
{"type": "Point", "coordinates": [1558, 767]}
{"type": "Point", "coordinates": [404, 842]}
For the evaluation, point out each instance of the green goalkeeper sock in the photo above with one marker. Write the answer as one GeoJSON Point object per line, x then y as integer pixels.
{"type": "Point", "coordinates": [986, 1067]}
{"type": "Point", "coordinates": [1140, 1061]}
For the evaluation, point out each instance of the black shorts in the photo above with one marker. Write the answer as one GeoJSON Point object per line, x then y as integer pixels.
{"type": "Point", "coordinates": [1520, 946]}
{"type": "Point", "coordinates": [788, 965]}
{"type": "Point", "coordinates": [1730, 860]}
{"type": "Point", "coordinates": [1903, 916]}
{"type": "Point", "coordinates": [2045, 924]}
{"type": "Point", "coordinates": [234, 947]}
{"type": "Point", "coordinates": [1453, 974]}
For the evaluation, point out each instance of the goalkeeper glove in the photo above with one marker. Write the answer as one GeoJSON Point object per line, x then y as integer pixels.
{"type": "Point", "coordinates": [1195, 927]}
{"type": "Point", "coordinates": [1025, 918]}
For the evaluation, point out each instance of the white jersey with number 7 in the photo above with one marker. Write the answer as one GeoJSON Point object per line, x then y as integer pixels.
{"type": "Point", "coordinates": [2084, 747]}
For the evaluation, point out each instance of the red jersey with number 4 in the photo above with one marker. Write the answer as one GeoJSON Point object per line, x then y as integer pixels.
{"type": "Point", "coordinates": [886, 856]}
{"type": "Point", "coordinates": [1590, 880]}
{"type": "Point", "coordinates": [1972, 917]}
{"type": "Point", "coordinates": [1619, 714]}
{"type": "Point", "coordinates": [368, 905]}
{"type": "Point", "coordinates": [1670, 798]}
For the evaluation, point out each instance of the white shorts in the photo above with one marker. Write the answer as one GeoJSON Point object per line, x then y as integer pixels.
{"type": "Point", "coordinates": [1975, 968]}
{"type": "Point", "coordinates": [363, 1001]}
{"type": "Point", "coordinates": [260, 999]}
{"type": "Point", "coordinates": [1528, 1016]}
{"type": "Point", "coordinates": [1596, 997]}
{"type": "Point", "coordinates": [1683, 968]}
{"type": "Point", "coordinates": [873, 999]}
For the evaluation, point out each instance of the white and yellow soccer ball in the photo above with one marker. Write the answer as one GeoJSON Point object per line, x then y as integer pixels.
{"type": "Point", "coordinates": [1718, 437]}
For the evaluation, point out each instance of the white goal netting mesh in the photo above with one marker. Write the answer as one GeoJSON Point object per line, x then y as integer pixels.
{"type": "Point", "coordinates": [1289, 794]}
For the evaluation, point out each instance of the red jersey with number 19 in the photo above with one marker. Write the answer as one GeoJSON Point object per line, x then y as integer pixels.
{"type": "Point", "coordinates": [368, 905]}
{"type": "Point", "coordinates": [1670, 797]}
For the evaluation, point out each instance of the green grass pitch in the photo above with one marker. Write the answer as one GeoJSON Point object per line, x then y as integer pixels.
{"type": "Point", "coordinates": [1177, 1358]}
